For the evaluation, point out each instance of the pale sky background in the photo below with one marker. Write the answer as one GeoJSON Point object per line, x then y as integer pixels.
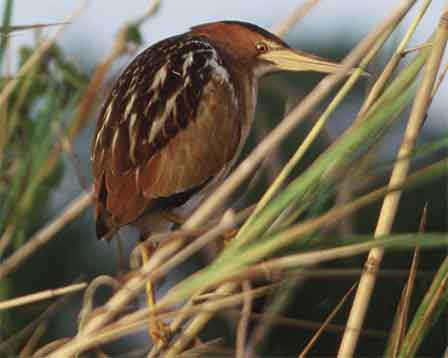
{"type": "Point", "coordinates": [92, 34]}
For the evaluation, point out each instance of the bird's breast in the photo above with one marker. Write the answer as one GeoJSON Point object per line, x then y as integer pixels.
{"type": "Point", "coordinates": [176, 119]}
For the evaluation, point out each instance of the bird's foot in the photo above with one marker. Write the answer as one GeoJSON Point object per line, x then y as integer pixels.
{"type": "Point", "coordinates": [159, 332]}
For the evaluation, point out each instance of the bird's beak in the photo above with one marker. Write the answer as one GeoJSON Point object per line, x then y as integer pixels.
{"type": "Point", "coordinates": [293, 60]}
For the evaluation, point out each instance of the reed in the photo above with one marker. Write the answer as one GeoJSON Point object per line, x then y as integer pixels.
{"type": "Point", "coordinates": [283, 235]}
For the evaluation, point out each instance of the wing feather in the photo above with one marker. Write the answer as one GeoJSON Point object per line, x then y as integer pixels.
{"type": "Point", "coordinates": [168, 126]}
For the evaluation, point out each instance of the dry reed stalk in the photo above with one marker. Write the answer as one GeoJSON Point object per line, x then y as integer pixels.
{"type": "Point", "coordinates": [327, 321]}
{"type": "Point", "coordinates": [71, 212]}
{"type": "Point", "coordinates": [399, 173]}
{"type": "Point", "coordinates": [89, 293]}
{"type": "Point", "coordinates": [37, 55]}
{"type": "Point", "coordinates": [390, 67]}
{"type": "Point", "coordinates": [405, 302]}
{"type": "Point", "coordinates": [6, 238]}
{"type": "Point", "coordinates": [313, 134]}
{"type": "Point", "coordinates": [243, 323]}
{"type": "Point", "coordinates": [440, 80]}
{"type": "Point", "coordinates": [282, 28]}
{"type": "Point", "coordinates": [427, 312]}
{"type": "Point", "coordinates": [264, 318]}
{"type": "Point", "coordinates": [136, 320]}
{"type": "Point", "coordinates": [295, 117]}
{"type": "Point", "coordinates": [277, 135]}
{"type": "Point", "coordinates": [311, 258]}
{"type": "Point", "coordinates": [42, 295]}
{"type": "Point", "coordinates": [9, 87]}
{"type": "Point", "coordinates": [346, 191]}
{"type": "Point", "coordinates": [293, 260]}
{"type": "Point", "coordinates": [48, 348]}
{"type": "Point", "coordinates": [34, 340]}
{"type": "Point", "coordinates": [199, 219]}
{"type": "Point", "coordinates": [11, 345]}
{"type": "Point", "coordinates": [316, 273]}
{"type": "Point", "coordinates": [86, 104]}
{"type": "Point", "coordinates": [135, 284]}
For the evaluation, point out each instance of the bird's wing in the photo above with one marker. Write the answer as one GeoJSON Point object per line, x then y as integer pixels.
{"type": "Point", "coordinates": [169, 124]}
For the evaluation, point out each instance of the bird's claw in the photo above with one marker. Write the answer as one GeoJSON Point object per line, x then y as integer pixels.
{"type": "Point", "coordinates": [160, 333]}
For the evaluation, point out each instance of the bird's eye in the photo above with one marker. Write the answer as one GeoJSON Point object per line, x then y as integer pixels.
{"type": "Point", "coordinates": [262, 47]}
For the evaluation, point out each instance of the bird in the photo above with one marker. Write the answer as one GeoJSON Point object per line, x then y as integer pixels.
{"type": "Point", "coordinates": [175, 122]}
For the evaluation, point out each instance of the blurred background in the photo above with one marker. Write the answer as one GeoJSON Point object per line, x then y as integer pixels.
{"type": "Point", "coordinates": [331, 30]}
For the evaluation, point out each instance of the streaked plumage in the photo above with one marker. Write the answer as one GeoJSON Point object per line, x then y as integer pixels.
{"type": "Point", "coordinates": [177, 118]}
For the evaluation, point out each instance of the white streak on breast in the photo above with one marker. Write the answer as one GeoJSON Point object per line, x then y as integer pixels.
{"type": "Point", "coordinates": [170, 107]}
{"type": "Point", "coordinates": [115, 138]}
{"type": "Point", "coordinates": [107, 115]}
{"type": "Point", "coordinates": [221, 74]}
{"type": "Point", "coordinates": [132, 136]}
{"type": "Point", "coordinates": [159, 78]}
{"type": "Point", "coordinates": [218, 70]}
{"type": "Point", "coordinates": [188, 61]}
{"type": "Point", "coordinates": [158, 124]}
{"type": "Point", "coordinates": [148, 106]}
{"type": "Point", "coordinates": [129, 106]}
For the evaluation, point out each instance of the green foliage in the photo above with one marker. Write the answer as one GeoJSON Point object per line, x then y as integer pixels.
{"type": "Point", "coordinates": [358, 138]}
{"type": "Point", "coordinates": [33, 124]}
{"type": "Point", "coordinates": [432, 308]}
{"type": "Point", "coordinates": [6, 22]}
{"type": "Point", "coordinates": [34, 127]}
{"type": "Point", "coordinates": [134, 35]}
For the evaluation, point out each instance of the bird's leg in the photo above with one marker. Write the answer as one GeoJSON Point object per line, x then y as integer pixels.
{"type": "Point", "coordinates": [158, 330]}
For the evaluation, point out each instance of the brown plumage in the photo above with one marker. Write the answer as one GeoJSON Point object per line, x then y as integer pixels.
{"type": "Point", "coordinates": [178, 116]}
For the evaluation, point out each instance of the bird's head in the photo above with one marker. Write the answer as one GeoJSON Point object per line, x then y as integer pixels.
{"type": "Point", "coordinates": [251, 46]}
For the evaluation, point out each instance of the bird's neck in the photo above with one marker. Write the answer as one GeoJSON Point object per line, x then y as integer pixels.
{"type": "Point", "coordinates": [250, 92]}
{"type": "Point", "coordinates": [246, 84]}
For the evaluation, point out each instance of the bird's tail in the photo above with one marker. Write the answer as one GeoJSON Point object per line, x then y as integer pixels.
{"type": "Point", "coordinates": [105, 223]}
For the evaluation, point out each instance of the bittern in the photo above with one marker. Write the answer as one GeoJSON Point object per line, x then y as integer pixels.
{"type": "Point", "coordinates": [175, 122]}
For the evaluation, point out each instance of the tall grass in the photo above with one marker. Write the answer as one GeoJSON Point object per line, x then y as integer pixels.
{"type": "Point", "coordinates": [290, 230]}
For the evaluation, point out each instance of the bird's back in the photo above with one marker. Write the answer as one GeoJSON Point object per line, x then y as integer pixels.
{"type": "Point", "coordinates": [169, 125]}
